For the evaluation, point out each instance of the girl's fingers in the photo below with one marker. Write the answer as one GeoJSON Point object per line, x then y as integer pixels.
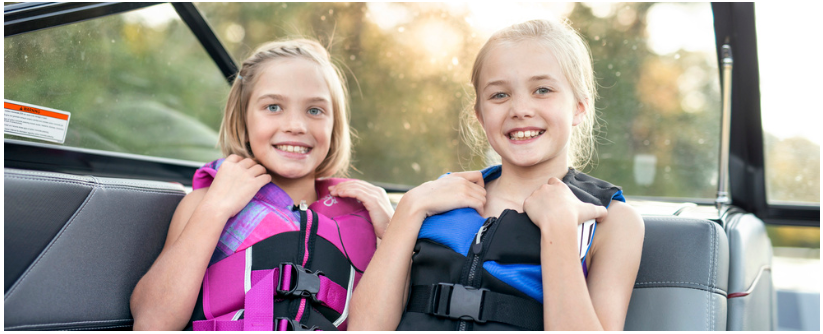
{"type": "Point", "coordinates": [263, 179]}
{"type": "Point", "coordinates": [247, 163]}
{"type": "Point", "coordinates": [258, 170]}
{"type": "Point", "coordinates": [474, 177]}
{"type": "Point", "coordinates": [233, 158]}
{"type": "Point", "coordinates": [590, 211]}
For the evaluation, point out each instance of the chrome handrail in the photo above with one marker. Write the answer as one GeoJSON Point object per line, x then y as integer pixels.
{"type": "Point", "coordinates": [723, 198]}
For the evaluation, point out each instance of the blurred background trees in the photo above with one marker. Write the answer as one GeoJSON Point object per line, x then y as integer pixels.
{"type": "Point", "coordinates": [140, 83]}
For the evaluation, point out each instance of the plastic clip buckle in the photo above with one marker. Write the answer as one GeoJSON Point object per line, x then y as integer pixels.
{"type": "Point", "coordinates": [304, 283]}
{"type": "Point", "coordinates": [464, 302]}
{"type": "Point", "coordinates": [292, 325]}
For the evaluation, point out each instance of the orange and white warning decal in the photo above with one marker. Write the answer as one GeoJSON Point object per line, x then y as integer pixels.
{"type": "Point", "coordinates": [36, 122]}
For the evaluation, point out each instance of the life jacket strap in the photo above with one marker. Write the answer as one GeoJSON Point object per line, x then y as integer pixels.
{"type": "Point", "coordinates": [461, 302]}
{"type": "Point", "coordinates": [288, 280]}
{"type": "Point", "coordinates": [280, 324]}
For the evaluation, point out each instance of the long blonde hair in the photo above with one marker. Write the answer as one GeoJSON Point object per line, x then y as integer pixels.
{"type": "Point", "coordinates": [233, 134]}
{"type": "Point", "coordinates": [574, 57]}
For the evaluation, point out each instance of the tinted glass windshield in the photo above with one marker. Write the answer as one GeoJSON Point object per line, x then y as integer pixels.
{"type": "Point", "coordinates": [137, 82]}
{"type": "Point", "coordinates": [408, 67]}
{"type": "Point", "coordinates": [791, 139]}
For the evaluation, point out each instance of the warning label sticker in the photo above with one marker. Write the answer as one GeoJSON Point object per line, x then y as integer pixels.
{"type": "Point", "coordinates": [26, 120]}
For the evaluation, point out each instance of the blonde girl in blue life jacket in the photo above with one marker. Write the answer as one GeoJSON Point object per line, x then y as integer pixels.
{"type": "Point", "coordinates": [535, 93]}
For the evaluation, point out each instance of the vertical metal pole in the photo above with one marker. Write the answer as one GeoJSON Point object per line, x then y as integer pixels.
{"type": "Point", "coordinates": [725, 130]}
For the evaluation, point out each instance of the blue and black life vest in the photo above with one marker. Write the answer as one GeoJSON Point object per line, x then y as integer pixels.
{"type": "Point", "coordinates": [473, 273]}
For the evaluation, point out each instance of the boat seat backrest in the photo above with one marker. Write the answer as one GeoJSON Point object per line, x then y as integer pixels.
{"type": "Point", "coordinates": [682, 282]}
{"type": "Point", "coordinates": [75, 247]}
{"type": "Point", "coordinates": [752, 297]}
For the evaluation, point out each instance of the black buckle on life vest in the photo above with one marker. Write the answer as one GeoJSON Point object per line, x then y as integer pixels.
{"type": "Point", "coordinates": [292, 325]}
{"type": "Point", "coordinates": [303, 282]}
{"type": "Point", "coordinates": [457, 301]}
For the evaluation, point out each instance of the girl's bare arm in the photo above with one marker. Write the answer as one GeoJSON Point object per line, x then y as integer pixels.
{"type": "Point", "coordinates": [600, 302]}
{"type": "Point", "coordinates": [164, 298]}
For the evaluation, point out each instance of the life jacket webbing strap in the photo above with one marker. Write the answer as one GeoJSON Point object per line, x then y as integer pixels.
{"type": "Point", "coordinates": [280, 324]}
{"type": "Point", "coordinates": [259, 301]}
{"type": "Point", "coordinates": [442, 299]}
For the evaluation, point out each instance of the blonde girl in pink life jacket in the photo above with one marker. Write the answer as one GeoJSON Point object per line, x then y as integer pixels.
{"type": "Point", "coordinates": [269, 239]}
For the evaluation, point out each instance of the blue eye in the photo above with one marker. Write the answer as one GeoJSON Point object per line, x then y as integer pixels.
{"type": "Point", "coordinates": [274, 107]}
{"type": "Point", "coordinates": [315, 111]}
{"type": "Point", "coordinates": [499, 96]}
{"type": "Point", "coordinates": [542, 90]}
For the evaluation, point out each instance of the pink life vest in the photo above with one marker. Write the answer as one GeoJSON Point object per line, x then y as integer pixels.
{"type": "Point", "coordinates": [278, 267]}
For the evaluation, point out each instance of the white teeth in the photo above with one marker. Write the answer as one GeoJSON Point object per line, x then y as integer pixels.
{"type": "Point", "coordinates": [293, 149]}
{"type": "Point", "coordinates": [523, 135]}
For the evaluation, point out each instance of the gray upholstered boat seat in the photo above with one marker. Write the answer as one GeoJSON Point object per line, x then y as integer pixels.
{"type": "Point", "coordinates": [683, 277]}
{"type": "Point", "coordinates": [751, 293]}
{"type": "Point", "coordinates": [75, 246]}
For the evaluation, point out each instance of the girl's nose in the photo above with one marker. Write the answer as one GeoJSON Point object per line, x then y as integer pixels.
{"type": "Point", "coordinates": [519, 107]}
{"type": "Point", "coordinates": [295, 123]}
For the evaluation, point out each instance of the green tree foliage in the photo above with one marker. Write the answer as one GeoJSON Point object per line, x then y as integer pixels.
{"type": "Point", "coordinates": [131, 87]}
{"type": "Point", "coordinates": [138, 84]}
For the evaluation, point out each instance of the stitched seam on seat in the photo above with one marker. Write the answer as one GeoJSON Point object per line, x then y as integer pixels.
{"type": "Point", "coordinates": [716, 291]}
{"type": "Point", "coordinates": [53, 180]}
{"type": "Point", "coordinates": [97, 328]}
{"type": "Point", "coordinates": [679, 219]}
{"type": "Point", "coordinates": [23, 172]}
{"type": "Point", "coordinates": [51, 243]}
{"type": "Point", "coordinates": [709, 280]}
{"type": "Point", "coordinates": [673, 282]}
{"type": "Point", "coordinates": [95, 184]}
{"type": "Point", "coordinates": [143, 190]}
{"type": "Point", "coordinates": [716, 253]}
{"type": "Point", "coordinates": [69, 323]}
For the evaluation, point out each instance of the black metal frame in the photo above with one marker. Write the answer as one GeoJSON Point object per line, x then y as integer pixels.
{"type": "Point", "coordinates": [734, 23]}
{"type": "Point", "coordinates": [201, 29]}
{"type": "Point", "coordinates": [31, 16]}
{"type": "Point", "coordinates": [55, 158]}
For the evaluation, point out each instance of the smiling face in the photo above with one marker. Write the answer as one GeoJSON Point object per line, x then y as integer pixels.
{"type": "Point", "coordinates": [289, 118]}
{"type": "Point", "coordinates": [526, 105]}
